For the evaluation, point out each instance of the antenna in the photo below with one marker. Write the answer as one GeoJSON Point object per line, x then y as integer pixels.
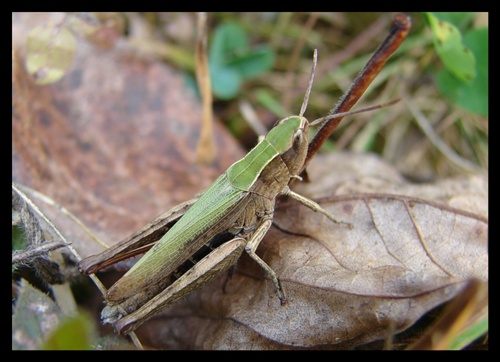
{"type": "Point", "coordinates": [350, 113]}
{"type": "Point", "coordinates": [309, 86]}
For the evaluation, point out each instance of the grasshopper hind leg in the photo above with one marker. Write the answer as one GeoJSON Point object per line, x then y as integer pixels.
{"type": "Point", "coordinates": [211, 266]}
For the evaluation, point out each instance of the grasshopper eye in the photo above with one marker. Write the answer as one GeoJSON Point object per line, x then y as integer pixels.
{"type": "Point", "coordinates": [298, 140]}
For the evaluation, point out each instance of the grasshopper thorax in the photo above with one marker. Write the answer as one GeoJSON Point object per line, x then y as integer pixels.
{"type": "Point", "coordinates": [290, 137]}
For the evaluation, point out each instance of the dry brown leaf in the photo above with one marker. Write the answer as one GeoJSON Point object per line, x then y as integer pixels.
{"type": "Point", "coordinates": [345, 287]}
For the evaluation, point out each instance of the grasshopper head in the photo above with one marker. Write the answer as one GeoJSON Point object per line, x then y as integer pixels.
{"type": "Point", "coordinates": [290, 137]}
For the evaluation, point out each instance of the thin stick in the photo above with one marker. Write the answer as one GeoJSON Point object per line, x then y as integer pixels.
{"type": "Point", "coordinates": [21, 256]}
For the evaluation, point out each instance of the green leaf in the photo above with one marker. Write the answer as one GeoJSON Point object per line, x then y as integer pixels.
{"type": "Point", "coordinates": [18, 238]}
{"type": "Point", "coordinates": [50, 52]}
{"type": "Point", "coordinates": [459, 19]}
{"type": "Point", "coordinates": [73, 333]}
{"type": "Point", "coordinates": [226, 82]}
{"type": "Point", "coordinates": [472, 96]}
{"type": "Point", "coordinates": [457, 58]}
{"type": "Point", "coordinates": [255, 63]}
{"type": "Point", "coordinates": [229, 40]}
{"type": "Point", "coordinates": [232, 61]}
{"type": "Point", "coordinates": [468, 336]}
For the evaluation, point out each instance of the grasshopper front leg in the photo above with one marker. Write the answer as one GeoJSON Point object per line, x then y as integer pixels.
{"type": "Point", "coordinates": [313, 206]}
{"type": "Point", "coordinates": [252, 246]}
{"type": "Point", "coordinates": [263, 228]}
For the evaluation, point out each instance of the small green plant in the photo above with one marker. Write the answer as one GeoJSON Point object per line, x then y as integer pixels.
{"type": "Point", "coordinates": [232, 60]}
{"type": "Point", "coordinates": [50, 50]}
{"type": "Point", "coordinates": [464, 52]}
{"type": "Point", "coordinates": [72, 333]}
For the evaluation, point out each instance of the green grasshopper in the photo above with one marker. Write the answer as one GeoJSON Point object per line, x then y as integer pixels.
{"type": "Point", "coordinates": [203, 237]}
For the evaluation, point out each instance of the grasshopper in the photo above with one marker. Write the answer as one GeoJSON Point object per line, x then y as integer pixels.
{"type": "Point", "coordinates": [203, 237]}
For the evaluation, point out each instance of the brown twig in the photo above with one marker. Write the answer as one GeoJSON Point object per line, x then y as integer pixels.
{"type": "Point", "coordinates": [400, 27]}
